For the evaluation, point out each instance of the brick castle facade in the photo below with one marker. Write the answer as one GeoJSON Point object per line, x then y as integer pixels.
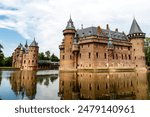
{"type": "Point", "coordinates": [26, 57]}
{"type": "Point", "coordinates": [98, 49]}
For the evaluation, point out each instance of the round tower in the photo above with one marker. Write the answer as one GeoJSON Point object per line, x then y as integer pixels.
{"type": "Point", "coordinates": [33, 56]}
{"type": "Point", "coordinates": [136, 37]}
{"type": "Point", "coordinates": [66, 54]}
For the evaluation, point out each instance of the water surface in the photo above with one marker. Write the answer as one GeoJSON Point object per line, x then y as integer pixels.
{"type": "Point", "coordinates": [52, 85]}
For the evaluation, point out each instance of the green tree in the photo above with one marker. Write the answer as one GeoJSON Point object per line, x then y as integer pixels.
{"type": "Point", "coordinates": [1, 56]}
{"type": "Point", "coordinates": [8, 61]}
{"type": "Point", "coordinates": [147, 51]}
{"type": "Point", "coordinates": [41, 56]}
{"type": "Point", "coordinates": [54, 58]}
{"type": "Point", "coordinates": [47, 53]}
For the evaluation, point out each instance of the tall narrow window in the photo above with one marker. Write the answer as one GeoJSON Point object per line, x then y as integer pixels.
{"type": "Point", "coordinates": [122, 56]}
{"type": "Point", "coordinates": [113, 56]}
{"type": "Point", "coordinates": [105, 55]}
{"type": "Point", "coordinates": [116, 56]}
{"type": "Point", "coordinates": [63, 57]}
{"type": "Point", "coordinates": [96, 54]}
{"type": "Point", "coordinates": [89, 55]}
{"type": "Point", "coordinates": [125, 56]}
{"type": "Point", "coordinates": [129, 57]}
{"type": "Point", "coordinates": [80, 55]}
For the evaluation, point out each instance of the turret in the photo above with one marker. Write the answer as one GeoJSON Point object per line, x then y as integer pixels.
{"type": "Point", "coordinates": [70, 29]}
{"type": "Point", "coordinates": [136, 37]}
{"type": "Point", "coordinates": [66, 54]}
{"type": "Point", "coordinates": [33, 56]}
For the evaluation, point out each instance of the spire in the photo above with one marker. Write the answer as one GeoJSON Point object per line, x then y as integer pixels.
{"type": "Point", "coordinates": [34, 43]}
{"type": "Point", "coordinates": [26, 45]}
{"type": "Point", "coordinates": [135, 28]}
{"type": "Point", "coordinates": [70, 24]}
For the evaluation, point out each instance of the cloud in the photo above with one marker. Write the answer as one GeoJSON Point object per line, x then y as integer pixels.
{"type": "Point", "coordinates": [45, 19]}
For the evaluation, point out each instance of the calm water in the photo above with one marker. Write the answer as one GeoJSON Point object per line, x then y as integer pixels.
{"type": "Point", "coordinates": [52, 85]}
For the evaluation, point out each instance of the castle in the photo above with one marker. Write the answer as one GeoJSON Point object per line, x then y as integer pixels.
{"type": "Point", "coordinates": [102, 49]}
{"type": "Point", "coordinates": [26, 57]}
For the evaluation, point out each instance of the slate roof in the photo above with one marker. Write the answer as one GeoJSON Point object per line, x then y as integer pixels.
{"type": "Point", "coordinates": [70, 24]}
{"type": "Point", "coordinates": [20, 46]}
{"type": "Point", "coordinates": [135, 28]}
{"type": "Point", "coordinates": [93, 31]}
{"type": "Point", "coordinates": [34, 43]}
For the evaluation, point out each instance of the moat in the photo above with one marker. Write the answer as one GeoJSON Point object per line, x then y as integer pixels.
{"type": "Point", "coordinates": [55, 85]}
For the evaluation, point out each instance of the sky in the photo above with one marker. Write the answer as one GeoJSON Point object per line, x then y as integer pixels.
{"type": "Point", "coordinates": [22, 20]}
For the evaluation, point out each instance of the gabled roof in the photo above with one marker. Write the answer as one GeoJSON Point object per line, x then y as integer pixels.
{"type": "Point", "coordinates": [135, 28]}
{"type": "Point", "coordinates": [70, 24]}
{"type": "Point", "coordinates": [34, 43]}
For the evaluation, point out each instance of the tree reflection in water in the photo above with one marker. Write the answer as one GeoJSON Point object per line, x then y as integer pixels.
{"type": "Point", "coordinates": [0, 77]}
{"type": "Point", "coordinates": [121, 85]}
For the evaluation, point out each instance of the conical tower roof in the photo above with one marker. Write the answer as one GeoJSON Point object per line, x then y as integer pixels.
{"type": "Point", "coordinates": [135, 28]}
{"type": "Point", "coordinates": [70, 24]}
{"type": "Point", "coordinates": [34, 43]}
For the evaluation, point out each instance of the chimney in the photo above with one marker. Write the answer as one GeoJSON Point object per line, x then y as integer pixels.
{"type": "Point", "coordinates": [81, 26]}
{"type": "Point", "coordinates": [116, 29]}
{"type": "Point", "coordinates": [107, 26]}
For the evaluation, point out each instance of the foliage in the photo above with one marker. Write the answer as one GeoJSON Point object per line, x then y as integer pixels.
{"type": "Point", "coordinates": [1, 58]}
{"type": "Point", "coordinates": [4, 61]}
{"type": "Point", "coordinates": [147, 51]}
{"type": "Point", "coordinates": [8, 61]}
{"type": "Point", "coordinates": [41, 56]}
{"type": "Point", "coordinates": [47, 56]}
{"type": "Point", "coordinates": [54, 58]}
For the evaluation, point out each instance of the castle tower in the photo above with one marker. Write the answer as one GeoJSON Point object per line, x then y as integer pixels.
{"type": "Point", "coordinates": [17, 60]}
{"type": "Point", "coordinates": [32, 63]}
{"type": "Point", "coordinates": [136, 37]}
{"type": "Point", "coordinates": [66, 55]}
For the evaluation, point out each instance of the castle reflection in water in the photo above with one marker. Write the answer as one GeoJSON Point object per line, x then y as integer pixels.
{"type": "Point", "coordinates": [24, 83]}
{"type": "Point", "coordinates": [74, 85]}
{"type": "Point", "coordinates": [95, 86]}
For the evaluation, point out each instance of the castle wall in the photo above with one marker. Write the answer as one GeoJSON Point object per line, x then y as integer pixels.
{"type": "Point", "coordinates": [96, 56]}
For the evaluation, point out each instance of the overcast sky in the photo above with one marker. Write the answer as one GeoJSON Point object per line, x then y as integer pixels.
{"type": "Point", "coordinates": [22, 20]}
